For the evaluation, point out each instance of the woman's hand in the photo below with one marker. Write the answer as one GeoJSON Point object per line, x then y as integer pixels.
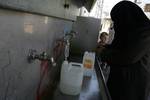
{"type": "Point", "coordinates": [99, 49]}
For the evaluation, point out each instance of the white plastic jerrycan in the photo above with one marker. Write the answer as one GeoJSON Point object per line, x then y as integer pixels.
{"type": "Point", "coordinates": [71, 78]}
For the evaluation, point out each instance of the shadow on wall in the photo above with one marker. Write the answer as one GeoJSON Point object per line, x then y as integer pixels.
{"type": "Point", "coordinates": [86, 40]}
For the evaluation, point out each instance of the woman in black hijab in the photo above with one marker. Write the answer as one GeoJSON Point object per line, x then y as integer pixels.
{"type": "Point", "coordinates": [129, 53]}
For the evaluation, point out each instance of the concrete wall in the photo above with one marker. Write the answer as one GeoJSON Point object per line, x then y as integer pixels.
{"type": "Point", "coordinates": [47, 7]}
{"type": "Point", "coordinates": [20, 32]}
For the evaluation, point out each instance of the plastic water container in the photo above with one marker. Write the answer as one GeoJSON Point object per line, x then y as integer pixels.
{"type": "Point", "coordinates": [71, 78]}
{"type": "Point", "coordinates": [88, 63]}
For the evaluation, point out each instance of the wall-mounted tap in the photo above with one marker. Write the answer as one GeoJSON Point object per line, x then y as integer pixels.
{"type": "Point", "coordinates": [69, 35]}
{"type": "Point", "coordinates": [67, 38]}
{"type": "Point", "coordinates": [33, 55]}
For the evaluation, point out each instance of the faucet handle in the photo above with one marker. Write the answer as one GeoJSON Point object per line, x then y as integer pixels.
{"type": "Point", "coordinates": [31, 55]}
{"type": "Point", "coordinates": [43, 56]}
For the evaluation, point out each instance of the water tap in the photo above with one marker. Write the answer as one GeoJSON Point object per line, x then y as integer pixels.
{"type": "Point", "coordinates": [33, 55]}
{"type": "Point", "coordinates": [67, 38]}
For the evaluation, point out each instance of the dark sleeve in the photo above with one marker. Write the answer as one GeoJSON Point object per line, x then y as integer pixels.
{"type": "Point", "coordinates": [133, 53]}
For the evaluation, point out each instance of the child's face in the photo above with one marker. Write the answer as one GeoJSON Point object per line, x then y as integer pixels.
{"type": "Point", "coordinates": [104, 38]}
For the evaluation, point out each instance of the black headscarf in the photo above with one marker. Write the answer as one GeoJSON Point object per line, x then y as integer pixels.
{"type": "Point", "coordinates": [129, 19]}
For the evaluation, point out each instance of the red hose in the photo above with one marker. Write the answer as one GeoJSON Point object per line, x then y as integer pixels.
{"type": "Point", "coordinates": [43, 72]}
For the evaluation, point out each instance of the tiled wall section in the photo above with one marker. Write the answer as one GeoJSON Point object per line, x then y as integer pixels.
{"type": "Point", "coordinates": [20, 32]}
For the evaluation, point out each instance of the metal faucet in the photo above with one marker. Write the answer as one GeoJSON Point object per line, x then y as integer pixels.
{"type": "Point", "coordinates": [67, 38]}
{"type": "Point", "coordinates": [32, 56]}
{"type": "Point", "coordinates": [70, 35]}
